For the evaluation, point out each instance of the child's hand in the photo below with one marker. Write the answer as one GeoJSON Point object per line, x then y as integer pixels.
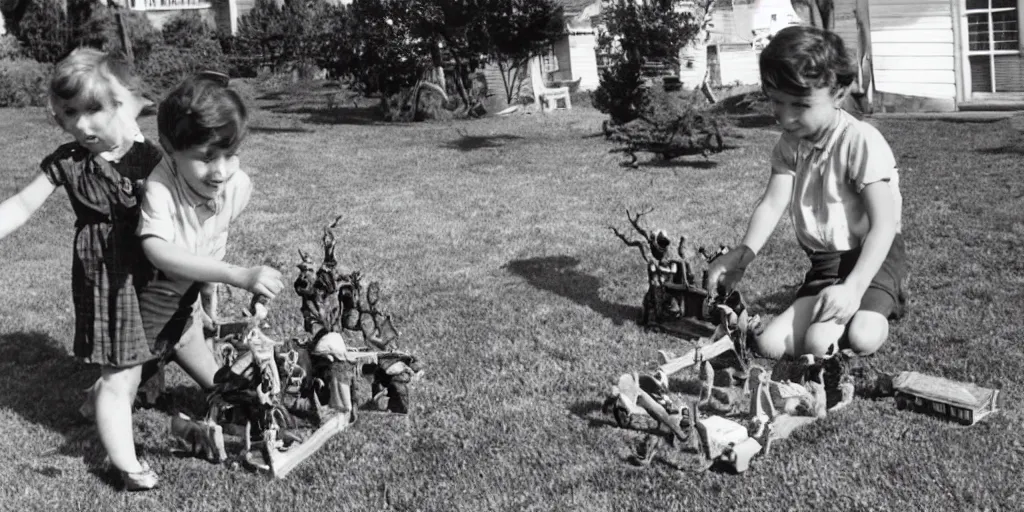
{"type": "Point", "coordinates": [837, 303]}
{"type": "Point", "coordinates": [261, 280]}
{"type": "Point", "coordinates": [725, 271]}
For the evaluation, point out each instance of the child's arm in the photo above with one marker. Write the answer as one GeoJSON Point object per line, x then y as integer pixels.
{"type": "Point", "coordinates": [727, 270]}
{"type": "Point", "coordinates": [178, 262]}
{"type": "Point", "coordinates": [768, 211]}
{"type": "Point", "coordinates": [841, 302]}
{"type": "Point", "coordinates": [17, 209]}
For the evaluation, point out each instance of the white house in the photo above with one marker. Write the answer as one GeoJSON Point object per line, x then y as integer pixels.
{"type": "Point", "coordinates": [940, 55]}
{"type": "Point", "coordinates": [732, 43]}
{"type": "Point", "coordinates": [572, 59]}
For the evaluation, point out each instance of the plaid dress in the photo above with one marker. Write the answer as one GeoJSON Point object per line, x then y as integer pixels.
{"type": "Point", "coordinates": [108, 262]}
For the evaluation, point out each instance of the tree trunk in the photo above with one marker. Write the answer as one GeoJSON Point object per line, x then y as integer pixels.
{"type": "Point", "coordinates": [459, 86]}
{"type": "Point", "coordinates": [826, 12]}
{"type": "Point", "coordinates": [437, 73]}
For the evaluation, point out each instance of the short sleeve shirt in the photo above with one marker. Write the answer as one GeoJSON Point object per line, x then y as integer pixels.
{"type": "Point", "coordinates": [172, 212]}
{"type": "Point", "coordinates": [828, 176]}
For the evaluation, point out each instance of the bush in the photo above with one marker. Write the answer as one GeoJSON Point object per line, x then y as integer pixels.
{"type": "Point", "coordinates": [44, 31]}
{"type": "Point", "coordinates": [168, 65]}
{"type": "Point", "coordinates": [672, 125]}
{"type": "Point", "coordinates": [10, 48]}
{"type": "Point", "coordinates": [187, 30]}
{"type": "Point", "coordinates": [100, 30]}
{"type": "Point", "coordinates": [23, 83]}
{"type": "Point", "coordinates": [623, 91]}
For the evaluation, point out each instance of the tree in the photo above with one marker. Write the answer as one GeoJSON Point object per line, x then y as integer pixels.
{"type": "Point", "coordinates": [519, 30]}
{"type": "Point", "coordinates": [635, 34]}
{"type": "Point", "coordinates": [822, 12]}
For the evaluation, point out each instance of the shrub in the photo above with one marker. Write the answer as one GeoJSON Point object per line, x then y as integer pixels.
{"type": "Point", "coordinates": [187, 30]}
{"type": "Point", "coordinates": [100, 30]}
{"type": "Point", "coordinates": [623, 91]}
{"type": "Point", "coordinates": [10, 48]}
{"type": "Point", "coordinates": [672, 125]}
{"type": "Point", "coordinates": [44, 30]}
{"type": "Point", "coordinates": [168, 65]}
{"type": "Point", "coordinates": [23, 83]}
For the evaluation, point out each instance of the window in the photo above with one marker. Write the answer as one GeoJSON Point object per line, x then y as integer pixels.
{"type": "Point", "coordinates": [549, 61]}
{"type": "Point", "coordinates": [993, 46]}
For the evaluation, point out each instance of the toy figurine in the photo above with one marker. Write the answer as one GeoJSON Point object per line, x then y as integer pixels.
{"type": "Point", "coordinates": [287, 398]}
{"type": "Point", "coordinates": [673, 293]}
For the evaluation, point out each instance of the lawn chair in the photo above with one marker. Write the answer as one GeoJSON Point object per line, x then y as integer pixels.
{"type": "Point", "coordinates": [544, 96]}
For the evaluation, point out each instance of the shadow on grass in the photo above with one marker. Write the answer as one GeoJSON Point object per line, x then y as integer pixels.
{"type": "Point", "coordinates": [693, 164]}
{"type": "Point", "coordinates": [591, 411]}
{"type": "Point", "coordinates": [275, 129]}
{"type": "Point", "coordinates": [775, 303]}
{"type": "Point", "coordinates": [474, 142]}
{"type": "Point", "coordinates": [44, 384]}
{"type": "Point", "coordinates": [333, 116]}
{"type": "Point", "coordinates": [558, 274]}
{"type": "Point", "coordinates": [1014, 149]}
{"type": "Point", "coordinates": [752, 120]}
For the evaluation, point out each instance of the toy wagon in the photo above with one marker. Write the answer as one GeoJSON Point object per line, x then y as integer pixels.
{"type": "Point", "coordinates": [962, 402]}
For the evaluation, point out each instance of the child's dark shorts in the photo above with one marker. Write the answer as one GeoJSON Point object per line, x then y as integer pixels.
{"type": "Point", "coordinates": [882, 296]}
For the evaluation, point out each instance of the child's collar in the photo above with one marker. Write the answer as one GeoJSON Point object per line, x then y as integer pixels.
{"type": "Point", "coordinates": [115, 156]}
{"type": "Point", "coordinates": [828, 134]}
{"type": "Point", "coordinates": [193, 198]}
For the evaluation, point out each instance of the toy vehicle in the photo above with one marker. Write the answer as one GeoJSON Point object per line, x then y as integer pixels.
{"type": "Point", "coordinates": [962, 402]}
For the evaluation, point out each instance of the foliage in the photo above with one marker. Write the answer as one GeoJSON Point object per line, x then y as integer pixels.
{"type": "Point", "coordinates": [44, 30]}
{"type": "Point", "coordinates": [518, 30]}
{"type": "Point", "coordinates": [99, 29]}
{"type": "Point", "coordinates": [168, 65]}
{"type": "Point", "coordinates": [390, 57]}
{"type": "Point", "coordinates": [673, 125]}
{"type": "Point", "coordinates": [10, 48]}
{"type": "Point", "coordinates": [23, 83]}
{"type": "Point", "coordinates": [298, 33]}
{"type": "Point", "coordinates": [622, 93]}
{"type": "Point", "coordinates": [187, 29]}
{"type": "Point", "coordinates": [634, 34]}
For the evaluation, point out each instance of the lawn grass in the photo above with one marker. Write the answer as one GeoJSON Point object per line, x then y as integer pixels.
{"type": "Point", "coordinates": [491, 241]}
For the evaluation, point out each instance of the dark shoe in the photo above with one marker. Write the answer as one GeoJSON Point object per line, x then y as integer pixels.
{"type": "Point", "coordinates": [143, 480]}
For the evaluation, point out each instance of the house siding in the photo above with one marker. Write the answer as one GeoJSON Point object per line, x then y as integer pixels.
{"type": "Point", "coordinates": [583, 59]}
{"type": "Point", "coordinates": [913, 48]}
{"type": "Point", "coordinates": [693, 64]}
{"type": "Point", "coordinates": [846, 24]}
{"type": "Point", "coordinates": [738, 64]}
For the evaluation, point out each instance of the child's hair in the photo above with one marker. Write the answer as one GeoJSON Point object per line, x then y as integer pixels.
{"type": "Point", "coordinates": [92, 76]}
{"type": "Point", "coordinates": [202, 111]}
{"type": "Point", "coordinates": [801, 58]}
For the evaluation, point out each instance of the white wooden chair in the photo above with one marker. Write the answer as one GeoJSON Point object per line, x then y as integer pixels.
{"type": "Point", "coordinates": [544, 96]}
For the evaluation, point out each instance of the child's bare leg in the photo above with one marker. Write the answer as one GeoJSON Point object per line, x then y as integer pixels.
{"type": "Point", "coordinates": [785, 333]}
{"type": "Point", "coordinates": [822, 338]}
{"type": "Point", "coordinates": [868, 330]}
{"type": "Point", "coordinates": [194, 356]}
{"type": "Point", "coordinates": [114, 415]}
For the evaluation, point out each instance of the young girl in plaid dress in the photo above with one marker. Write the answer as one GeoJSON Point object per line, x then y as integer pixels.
{"type": "Point", "coordinates": [95, 98]}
